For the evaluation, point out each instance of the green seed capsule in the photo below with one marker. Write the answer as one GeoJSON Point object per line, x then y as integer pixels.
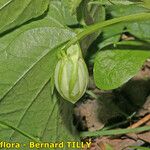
{"type": "Point", "coordinates": [71, 75]}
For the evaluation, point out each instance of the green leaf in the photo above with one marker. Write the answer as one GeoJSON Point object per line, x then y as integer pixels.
{"type": "Point", "coordinates": [123, 10]}
{"type": "Point", "coordinates": [61, 13]}
{"type": "Point", "coordinates": [96, 27]}
{"type": "Point", "coordinates": [72, 5]}
{"type": "Point", "coordinates": [139, 147]}
{"type": "Point", "coordinates": [27, 60]}
{"type": "Point", "coordinates": [24, 50]}
{"type": "Point", "coordinates": [108, 147]}
{"type": "Point", "coordinates": [112, 40]}
{"type": "Point", "coordinates": [53, 122]}
{"type": "Point", "coordinates": [140, 29]}
{"type": "Point", "coordinates": [88, 15]}
{"type": "Point", "coordinates": [15, 12]}
{"type": "Point", "coordinates": [111, 35]}
{"type": "Point", "coordinates": [113, 68]}
{"type": "Point", "coordinates": [55, 12]}
{"type": "Point", "coordinates": [112, 2]}
{"type": "Point", "coordinates": [146, 4]}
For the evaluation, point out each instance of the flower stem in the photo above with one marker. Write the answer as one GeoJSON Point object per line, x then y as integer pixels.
{"type": "Point", "coordinates": [93, 28]}
{"type": "Point", "coordinates": [113, 132]}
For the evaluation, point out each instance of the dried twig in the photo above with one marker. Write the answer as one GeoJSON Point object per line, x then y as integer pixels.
{"type": "Point", "coordinates": [140, 122]}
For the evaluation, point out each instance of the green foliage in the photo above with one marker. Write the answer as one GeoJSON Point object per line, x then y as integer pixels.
{"type": "Point", "coordinates": [140, 148]}
{"type": "Point", "coordinates": [113, 2]}
{"type": "Point", "coordinates": [139, 29]}
{"type": "Point", "coordinates": [72, 5]}
{"type": "Point", "coordinates": [120, 64]}
{"type": "Point", "coordinates": [91, 14]}
{"type": "Point", "coordinates": [32, 32]}
{"type": "Point", "coordinates": [60, 10]}
{"type": "Point", "coordinates": [146, 4]}
{"type": "Point", "coordinates": [27, 62]}
{"type": "Point", "coordinates": [108, 147]}
{"type": "Point", "coordinates": [16, 12]}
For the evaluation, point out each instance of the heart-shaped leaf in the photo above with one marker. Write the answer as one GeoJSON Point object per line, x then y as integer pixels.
{"type": "Point", "coordinates": [113, 68]}
{"type": "Point", "coordinates": [28, 111]}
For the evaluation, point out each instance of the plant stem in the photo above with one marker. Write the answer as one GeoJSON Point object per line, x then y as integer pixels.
{"type": "Point", "coordinates": [93, 28]}
{"type": "Point", "coordinates": [115, 125]}
{"type": "Point", "coordinates": [93, 95]}
{"type": "Point", "coordinates": [120, 123]}
{"type": "Point", "coordinates": [113, 132]}
{"type": "Point", "coordinates": [139, 147]}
